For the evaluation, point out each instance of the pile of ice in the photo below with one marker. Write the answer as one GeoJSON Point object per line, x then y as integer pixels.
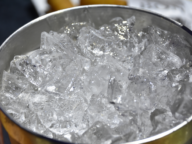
{"type": "Point", "coordinates": [107, 85]}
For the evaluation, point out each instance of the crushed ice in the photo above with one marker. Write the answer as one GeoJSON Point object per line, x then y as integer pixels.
{"type": "Point", "coordinates": [107, 85]}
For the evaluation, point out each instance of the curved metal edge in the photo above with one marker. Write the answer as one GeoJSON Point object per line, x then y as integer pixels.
{"type": "Point", "coordinates": [158, 136]}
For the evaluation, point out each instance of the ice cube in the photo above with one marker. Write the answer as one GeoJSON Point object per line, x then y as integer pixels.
{"type": "Point", "coordinates": [34, 124]}
{"type": "Point", "coordinates": [65, 82]}
{"type": "Point", "coordinates": [123, 28]}
{"type": "Point", "coordinates": [73, 30]}
{"type": "Point", "coordinates": [14, 85]}
{"type": "Point", "coordinates": [115, 91]}
{"type": "Point", "coordinates": [100, 109]}
{"type": "Point", "coordinates": [127, 130]}
{"type": "Point", "coordinates": [13, 67]}
{"type": "Point", "coordinates": [161, 120]}
{"type": "Point", "coordinates": [97, 133]}
{"type": "Point", "coordinates": [92, 43]}
{"type": "Point", "coordinates": [178, 75]}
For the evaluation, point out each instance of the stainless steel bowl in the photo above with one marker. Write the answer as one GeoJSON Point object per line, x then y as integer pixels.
{"type": "Point", "coordinates": [27, 38]}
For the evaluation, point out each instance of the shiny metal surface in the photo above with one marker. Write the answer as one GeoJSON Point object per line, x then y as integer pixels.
{"type": "Point", "coordinates": [27, 38]}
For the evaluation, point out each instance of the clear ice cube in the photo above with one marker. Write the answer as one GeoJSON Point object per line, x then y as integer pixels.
{"type": "Point", "coordinates": [98, 133]}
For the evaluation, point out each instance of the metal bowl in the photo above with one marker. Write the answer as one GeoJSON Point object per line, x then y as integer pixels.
{"type": "Point", "coordinates": [27, 38]}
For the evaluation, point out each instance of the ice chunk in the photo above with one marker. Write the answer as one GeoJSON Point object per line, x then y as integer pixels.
{"type": "Point", "coordinates": [92, 43]}
{"type": "Point", "coordinates": [58, 42]}
{"type": "Point", "coordinates": [115, 91]}
{"type": "Point", "coordinates": [14, 85]}
{"type": "Point", "coordinates": [161, 120]}
{"type": "Point", "coordinates": [73, 29]}
{"type": "Point", "coordinates": [13, 67]}
{"type": "Point", "coordinates": [178, 75]}
{"type": "Point", "coordinates": [123, 28]}
{"type": "Point", "coordinates": [100, 109]}
{"type": "Point", "coordinates": [98, 133]}
{"type": "Point", "coordinates": [127, 130]}
{"type": "Point", "coordinates": [34, 124]}
{"type": "Point", "coordinates": [69, 75]}
{"type": "Point", "coordinates": [32, 71]}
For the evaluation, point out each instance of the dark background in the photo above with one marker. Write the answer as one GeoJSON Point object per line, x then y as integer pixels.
{"type": "Point", "coordinates": [13, 15]}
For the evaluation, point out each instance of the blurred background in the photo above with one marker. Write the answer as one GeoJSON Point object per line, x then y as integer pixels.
{"type": "Point", "coordinates": [16, 13]}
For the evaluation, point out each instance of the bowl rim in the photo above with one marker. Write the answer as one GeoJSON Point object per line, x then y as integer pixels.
{"type": "Point", "coordinates": [149, 139]}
